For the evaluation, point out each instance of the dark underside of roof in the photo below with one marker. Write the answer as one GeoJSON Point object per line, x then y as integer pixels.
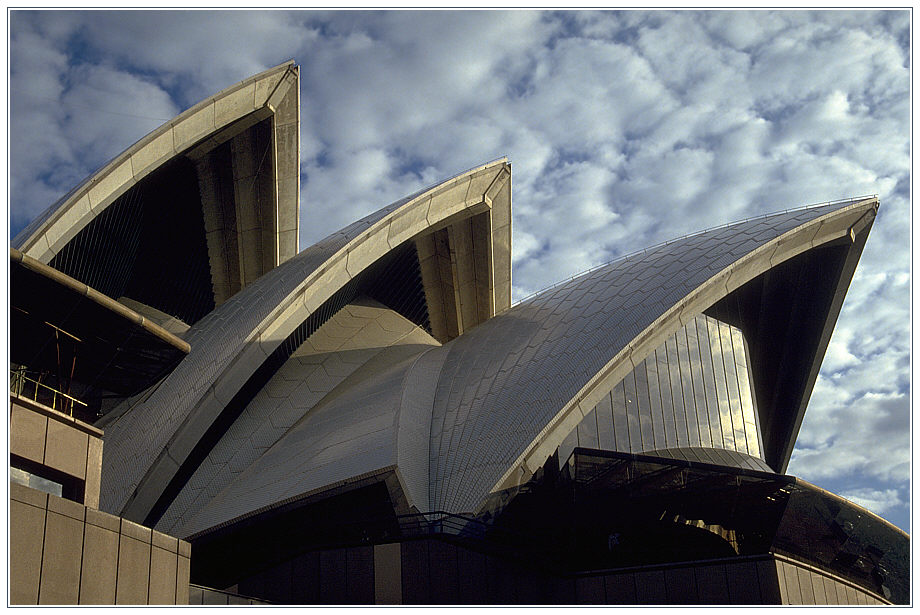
{"type": "Point", "coordinates": [57, 329]}
{"type": "Point", "coordinates": [394, 280]}
{"type": "Point", "coordinates": [148, 245]}
{"type": "Point", "coordinates": [787, 315]}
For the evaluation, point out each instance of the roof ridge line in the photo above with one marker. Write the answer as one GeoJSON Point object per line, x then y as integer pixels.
{"type": "Point", "coordinates": [854, 200]}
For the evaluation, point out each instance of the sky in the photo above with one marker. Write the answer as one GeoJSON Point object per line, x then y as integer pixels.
{"type": "Point", "coordinates": [624, 129]}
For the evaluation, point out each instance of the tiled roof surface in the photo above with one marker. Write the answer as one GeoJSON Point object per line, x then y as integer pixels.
{"type": "Point", "coordinates": [137, 437]}
{"type": "Point", "coordinates": [481, 399]}
{"type": "Point", "coordinates": [505, 380]}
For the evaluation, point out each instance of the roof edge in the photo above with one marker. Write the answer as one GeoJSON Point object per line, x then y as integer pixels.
{"type": "Point", "coordinates": [98, 190]}
{"type": "Point", "coordinates": [719, 285]}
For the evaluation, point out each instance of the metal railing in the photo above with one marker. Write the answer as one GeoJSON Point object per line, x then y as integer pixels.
{"type": "Point", "coordinates": [199, 594]}
{"type": "Point", "coordinates": [41, 393]}
{"type": "Point", "coordinates": [439, 522]}
{"type": "Point", "coordinates": [485, 537]}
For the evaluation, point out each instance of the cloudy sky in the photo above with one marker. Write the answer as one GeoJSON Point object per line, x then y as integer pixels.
{"type": "Point", "coordinates": [623, 128]}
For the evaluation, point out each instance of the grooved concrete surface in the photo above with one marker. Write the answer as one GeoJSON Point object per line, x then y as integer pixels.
{"type": "Point", "coordinates": [355, 335]}
{"type": "Point", "coordinates": [499, 387]}
{"type": "Point", "coordinates": [148, 438]}
{"type": "Point", "coordinates": [142, 428]}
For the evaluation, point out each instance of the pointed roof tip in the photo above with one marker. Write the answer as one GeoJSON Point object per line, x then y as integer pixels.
{"type": "Point", "coordinates": [841, 202]}
{"type": "Point", "coordinates": [30, 238]}
{"type": "Point", "coordinates": [284, 65]}
{"type": "Point", "coordinates": [494, 162]}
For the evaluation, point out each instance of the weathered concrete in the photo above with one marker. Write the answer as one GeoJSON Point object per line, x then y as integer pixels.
{"type": "Point", "coordinates": [55, 440]}
{"type": "Point", "coordinates": [62, 552]}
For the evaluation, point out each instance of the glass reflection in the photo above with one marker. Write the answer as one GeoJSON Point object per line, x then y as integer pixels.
{"type": "Point", "coordinates": [651, 366]}
{"type": "Point", "coordinates": [693, 390]}
{"type": "Point", "coordinates": [731, 379]}
{"type": "Point", "coordinates": [718, 369]}
{"type": "Point", "coordinates": [745, 393]}
{"type": "Point", "coordinates": [587, 431]}
{"type": "Point", "coordinates": [686, 378]}
{"type": "Point", "coordinates": [709, 384]}
{"type": "Point", "coordinates": [677, 393]}
{"type": "Point", "coordinates": [632, 413]}
{"type": "Point", "coordinates": [604, 415]}
{"type": "Point", "coordinates": [620, 421]}
{"type": "Point", "coordinates": [667, 406]}
{"type": "Point", "coordinates": [699, 390]}
{"type": "Point", "coordinates": [645, 410]}
{"type": "Point", "coordinates": [568, 445]}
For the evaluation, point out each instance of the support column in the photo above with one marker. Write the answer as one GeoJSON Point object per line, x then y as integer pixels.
{"type": "Point", "coordinates": [388, 573]}
{"type": "Point", "coordinates": [437, 279]}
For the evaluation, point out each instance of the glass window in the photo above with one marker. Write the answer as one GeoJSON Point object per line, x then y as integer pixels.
{"type": "Point", "coordinates": [718, 370]}
{"type": "Point", "coordinates": [745, 393]}
{"type": "Point", "coordinates": [604, 414]}
{"type": "Point", "coordinates": [696, 381]}
{"type": "Point", "coordinates": [645, 410]}
{"type": "Point", "coordinates": [651, 366]}
{"type": "Point", "coordinates": [568, 445]}
{"type": "Point", "coordinates": [587, 431]}
{"type": "Point", "coordinates": [20, 477]}
{"type": "Point", "coordinates": [694, 390]}
{"type": "Point", "coordinates": [709, 383]}
{"type": "Point", "coordinates": [664, 388]}
{"type": "Point", "coordinates": [677, 393]}
{"type": "Point", "coordinates": [632, 413]}
{"type": "Point", "coordinates": [620, 421]}
{"type": "Point", "coordinates": [731, 379]}
{"type": "Point", "coordinates": [686, 378]}
{"type": "Point", "coordinates": [36, 482]}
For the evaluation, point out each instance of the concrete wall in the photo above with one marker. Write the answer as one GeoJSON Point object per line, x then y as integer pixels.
{"type": "Point", "coordinates": [436, 571]}
{"type": "Point", "coordinates": [55, 440]}
{"type": "Point", "coordinates": [62, 552]}
{"type": "Point", "coordinates": [331, 576]}
{"type": "Point", "coordinates": [800, 583]}
{"type": "Point", "coordinates": [768, 579]}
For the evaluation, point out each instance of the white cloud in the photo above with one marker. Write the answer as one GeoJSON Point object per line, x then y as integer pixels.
{"type": "Point", "coordinates": [879, 501]}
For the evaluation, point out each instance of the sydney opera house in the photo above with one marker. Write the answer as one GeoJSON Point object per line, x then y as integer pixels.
{"type": "Point", "coordinates": [203, 412]}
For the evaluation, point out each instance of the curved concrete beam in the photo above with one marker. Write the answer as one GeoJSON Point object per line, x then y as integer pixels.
{"type": "Point", "coordinates": [356, 343]}
{"type": "Point", "coordinates": [847, 221]}
{"type": "Point", "coordinates": [298, 288]}
{"type": "Point", "coordinates": [202, 127]}
{"type": "Point", "coordinates": [102, 300]}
